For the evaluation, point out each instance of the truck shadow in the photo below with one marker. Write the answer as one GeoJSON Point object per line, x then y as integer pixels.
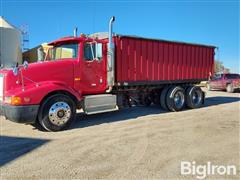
{"type": "Point", "coordinates": [13, 147]}
{"type": "Point", "coordinates": [83, 120]}
{"type": "Point", "coordinates": [212, 101]}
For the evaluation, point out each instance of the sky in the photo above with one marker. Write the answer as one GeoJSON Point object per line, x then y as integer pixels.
{"type": "Point", "coordinates": [206, 22]}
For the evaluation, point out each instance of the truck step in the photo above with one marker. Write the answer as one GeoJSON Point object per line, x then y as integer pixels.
{"type": "Point", "coordinates": [94, 104]}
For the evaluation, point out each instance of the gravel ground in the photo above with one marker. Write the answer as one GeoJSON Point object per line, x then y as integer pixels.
{"type": "Point", "coordinates": [135, 143]}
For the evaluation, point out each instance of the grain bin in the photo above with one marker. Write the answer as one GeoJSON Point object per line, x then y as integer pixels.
{"type": "Point", "coordinates": [10, 44]}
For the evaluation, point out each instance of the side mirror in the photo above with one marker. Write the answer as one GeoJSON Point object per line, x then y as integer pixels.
{"type": "Point", "coordinates": [25, 64]}
{"type": "Point", "coordinates": [15, 71]}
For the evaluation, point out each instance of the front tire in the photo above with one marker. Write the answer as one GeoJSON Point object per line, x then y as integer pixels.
{"type": "Point", "coordinates": [57, 112]}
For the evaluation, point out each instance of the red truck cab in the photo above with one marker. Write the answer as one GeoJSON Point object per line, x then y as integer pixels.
{"type": "Point", "coordinates": [224, 81]}
{"type": "Point", "coordinates": [75, 66]}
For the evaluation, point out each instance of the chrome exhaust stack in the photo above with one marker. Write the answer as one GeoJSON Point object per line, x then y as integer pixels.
{"type": "Point", "coordinates": [110, 56]}
{"type": "Point", "coordinates": [75, 32]}
{"type": "Point", "coordinates": [110, 31]}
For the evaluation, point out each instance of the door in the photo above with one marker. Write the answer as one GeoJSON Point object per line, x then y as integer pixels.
{"type": "Point", "coordinates": [214, 81]}
{"type": "Point", "coordinates": [222, 82]}
{"type": "Point", "coordinates": [219, 82]}
{"type": "Point", "coordinates": [93, 75]}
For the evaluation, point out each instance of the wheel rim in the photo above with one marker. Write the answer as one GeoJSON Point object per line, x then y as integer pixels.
{"type": "Point", "coordinates": [59, 113]}
{"type": "Point", "coordinates": [197, 97]}
{"type": "Point", "coordinates": [179, 99]}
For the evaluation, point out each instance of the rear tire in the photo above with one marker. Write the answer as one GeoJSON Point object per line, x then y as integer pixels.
{"type": "Point", "coordinates": [163, 96]}
{"type": "Point", "coordinates": [57, 112]}
{"type": "Point", "coordinates": [195, 97]}
{"type": "Point", "coordinates": [229, 88]}
{"type": "Point", "coordinates": [175, 98]}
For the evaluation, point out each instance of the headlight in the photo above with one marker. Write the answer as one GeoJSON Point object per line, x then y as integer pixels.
{"type": "Point", "coordinates": [13, 100]}
{"type": "Point", "coordinates": [7, 99]}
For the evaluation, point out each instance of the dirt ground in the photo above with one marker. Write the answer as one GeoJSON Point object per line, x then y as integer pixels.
{"type": "Point", "coordinates": [135, 143]}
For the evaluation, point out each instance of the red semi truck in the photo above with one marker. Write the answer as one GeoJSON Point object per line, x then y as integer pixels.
{"type": "Point", "coordinates": [102, 73]}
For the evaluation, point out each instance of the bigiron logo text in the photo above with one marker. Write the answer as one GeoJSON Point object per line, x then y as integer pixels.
{"type": "Point", "coordinates": [201, 171]}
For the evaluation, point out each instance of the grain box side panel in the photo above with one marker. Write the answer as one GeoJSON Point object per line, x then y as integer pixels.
{"type": "Point", "coordinates": [207, 60]}
{"type": "Point", "coordinates": [135, 61]}
{"type": "Point", "coordinates": [201, 63]}
{"type": "Point", "coordinates": [175, 61]}
{"type": "Point", "coordinates": [204, 61]}
{"type": "Point", "coordinates": [118, 59]}
{"type": "Point", "coordinates": [184, 55]}
{"type": "Point", "coordinates": [161, 61]}
{"type": "Point", "coordinates": [193, 61]}
{"type": "Point", "coordinates": [131, 67]}
{"type": "Point", "coordinates": [156, 63]}
{"type": "Point", "coordinates": [152, 61]}
{"type": "Point", "coordinates": [198, 66]}
{"type": "Point", "coordinates": [165, 57]}
{"type": "Point", "coordinates": [144, 60]}
{"type": "Point", "coordinates": [180, 63]}
{"type": "Point", "coordinates": [138, 60]}
{"type": "Point", "coordinates": [124, 59]}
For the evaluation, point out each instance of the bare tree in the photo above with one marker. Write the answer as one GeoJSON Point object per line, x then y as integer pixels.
{"type": "Point", "coordinates": [220, 68]}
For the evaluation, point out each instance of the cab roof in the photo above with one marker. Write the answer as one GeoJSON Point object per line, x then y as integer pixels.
{"type": "Point", "coordinates": [65, 39]}
{"type": "Point", "coordinates": [73, 39]}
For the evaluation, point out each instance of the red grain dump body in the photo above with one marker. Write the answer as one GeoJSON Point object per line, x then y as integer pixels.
{"type": "Point", "coordinates": [152, 61]}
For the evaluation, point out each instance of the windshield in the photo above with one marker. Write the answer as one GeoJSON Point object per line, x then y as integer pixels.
{"type": "Point", "coordinates": [64, 51]}
{"type": "Point", "coordinates": [232, 76]}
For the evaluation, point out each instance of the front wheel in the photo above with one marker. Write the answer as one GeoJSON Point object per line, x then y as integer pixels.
{"type": "Point", "coordinates": [57, 112]}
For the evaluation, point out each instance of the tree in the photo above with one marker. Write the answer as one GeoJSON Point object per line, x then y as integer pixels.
{"type": "Point", "coordinates": [220, 68]}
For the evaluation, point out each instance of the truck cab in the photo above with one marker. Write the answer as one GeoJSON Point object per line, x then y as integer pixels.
{"type": "Point", "coordinates": [88, 58]}
{"type": "Point", "coordinates": [73, 75]}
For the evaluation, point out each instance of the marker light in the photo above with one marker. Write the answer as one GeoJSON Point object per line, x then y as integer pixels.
{"type": "Point", "coordinates": [13, 100]}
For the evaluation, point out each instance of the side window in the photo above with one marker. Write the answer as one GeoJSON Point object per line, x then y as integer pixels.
{"type": "Point", "coordinates": [65, 51]}
{"type": "Point", "coordinates": [217, 77]}
{"type": "Point", "coordinates": [92, 51]}
{"type": "Point", "coordinates": [99, 51]}
{"type": "Point", "coordinates": [89, 50]}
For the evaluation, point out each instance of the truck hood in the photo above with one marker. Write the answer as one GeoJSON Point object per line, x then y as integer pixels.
{"type": "Point", "coordinates": [40, 72]}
